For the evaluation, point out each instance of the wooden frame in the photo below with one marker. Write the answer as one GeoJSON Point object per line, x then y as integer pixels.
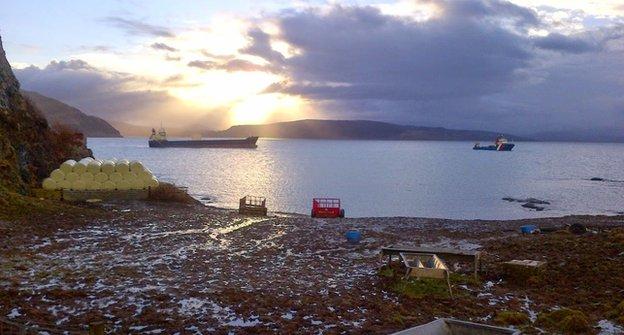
{"type": "Point", "coordinates": [444, 253]}
{"type": "Point", "coordinates": [421, 265]}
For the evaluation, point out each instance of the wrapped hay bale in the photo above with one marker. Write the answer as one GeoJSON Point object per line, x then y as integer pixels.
{"type": "Point", "coordinates": [127, 175]}
{"type": "Point", "coordinates": [136, 184]}
{"type": "Point", "coordinates": [136, 167]}
{"type": "Point", "coordinates": [72, 177]}
{"type": "Point", "coordinates": [68, 166]}
{"type": "Point", "coordinates": [122, 166]}
{"type": "Point", "coordinates": [94, 167]}
{"type": "Point", "coordinates": [64, 184]}
{"type": "Point", "coordinates": [123, 185]}
{"type": "Point", "coordinates": [79, 185]}
{"type": "Point", "coordinates": [86, 160]}
{"type": "Point", "coordinates": [49, 184]}
{"type": "Point", "coordinates": [108, 167]}
{"type": "Point", "coordinates": [57, 175]}
{"type": "Point", "coordinates": [80, 167]}
{"type": "Point", "coordinates": [87, 177]}
{"type": "Point", "coordinates": [108, 185]}
{"type": "Point", "coordinates": [115, 177]}
{"type": "Point", "coordinates": [100, 177]}
{"type": "Point", "coordinates": [94, 185]}
{"type": "Point", "coordinates": [151, 182]}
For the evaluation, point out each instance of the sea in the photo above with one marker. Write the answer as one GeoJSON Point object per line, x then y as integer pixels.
{"type": "Point", "coordinates": [434, 179]}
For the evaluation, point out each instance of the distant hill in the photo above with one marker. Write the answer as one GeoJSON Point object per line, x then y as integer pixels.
{"type": "Point", "coordinates": [57, 112]}
{"type": "Point", "coordinates": [355, 129]}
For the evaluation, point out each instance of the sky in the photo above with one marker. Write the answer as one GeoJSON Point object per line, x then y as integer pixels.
{"type": "Point", "coordinates": [524, 66]}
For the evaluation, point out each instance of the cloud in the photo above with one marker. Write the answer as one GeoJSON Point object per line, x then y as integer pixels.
{"type": "Point", "coordinates": [232, 65]}
{"type": "Point", "coordinates": [97, 92]}
{"type": "Point", "coordinates": [203, 64]}
{"type": "Point", "coordinates": [472, 65]}
{"type": "Point", "coordinates": [562, 43]}
{"type": "Point", "coordinates": [163, 46]}
{"type": "Point", "coordinates": [261, 46]}
{"type": "Point", "coordinates": [359, 53]}
{"type": "Point", "coordinates": [136, 27]}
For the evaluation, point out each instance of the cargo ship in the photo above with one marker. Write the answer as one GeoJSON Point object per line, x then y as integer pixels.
{"type": "Point", "coordinates": [500, 144]}
{"type": "Point", "coordinates": [159, 140]}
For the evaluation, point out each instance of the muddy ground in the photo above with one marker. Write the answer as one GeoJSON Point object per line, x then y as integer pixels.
{"type": "Point", "coordinates": [168, 268]}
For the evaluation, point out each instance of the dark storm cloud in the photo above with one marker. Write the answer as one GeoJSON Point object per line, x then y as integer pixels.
{"type": "Point", "coordinates": [559, 42]}
{"type": "Point", "coordinates": [465, 68]}
{"type": "Point", "coordinates": [359, 53]}
{"type": "Point", "coordinates": [136, 27]}
{"type": "Point", "coordinates": [94, 91]}
{"type": "Point", "coordinates": [163, 46]}
{"type": "Point", "coordinates": [261, 46]}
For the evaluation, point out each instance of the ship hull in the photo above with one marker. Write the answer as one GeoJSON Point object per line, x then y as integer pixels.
{"type": "Point", "coordinates": [245, 143]}
{"type": "Point", "coordinates": [502, 147]}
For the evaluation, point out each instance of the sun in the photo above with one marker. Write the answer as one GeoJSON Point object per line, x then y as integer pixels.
{"type": "Point", "coordinates": [261, 108]}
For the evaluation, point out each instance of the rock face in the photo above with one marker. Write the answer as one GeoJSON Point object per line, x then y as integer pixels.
{"type": "Point", "coordinates": [57, 112]}
{"type": "Point", "coordinates": [29, 148]}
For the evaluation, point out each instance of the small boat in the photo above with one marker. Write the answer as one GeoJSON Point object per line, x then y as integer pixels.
{"type": "Point", "coordinates": [500, 144]}
{"type": "Point", "coordinates": [159, 140]}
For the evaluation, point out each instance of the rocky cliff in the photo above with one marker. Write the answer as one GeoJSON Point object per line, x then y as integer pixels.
{"type": "Point", "coordinates": [29, 148]}
{"type": "Point", "coordinates": [57, 112]}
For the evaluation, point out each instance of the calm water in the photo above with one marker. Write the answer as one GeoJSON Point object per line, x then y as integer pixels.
{"type": "Point", "coordinates": [387, 178]}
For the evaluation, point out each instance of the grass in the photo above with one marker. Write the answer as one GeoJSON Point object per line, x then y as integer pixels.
{"type": "Point", "coordinates": [414, 288]}
{"type": "Point", "coordinates": [14, 206]}
{"type": "Point", "coordinates": [568, 321]}
{"type": "Point", "coordinates": [170, 193]}
{"type": "Point", "coordinates": [511, 318]}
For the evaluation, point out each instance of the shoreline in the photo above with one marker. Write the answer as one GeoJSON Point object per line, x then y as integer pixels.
{"type": "Point", "coordinates": [149, 267]}
{"type": "Point", "coordinates": [234, 209]}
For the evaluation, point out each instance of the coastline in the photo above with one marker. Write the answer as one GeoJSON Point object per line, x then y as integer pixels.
{"type": "Point", "coordinates": [162, 267]}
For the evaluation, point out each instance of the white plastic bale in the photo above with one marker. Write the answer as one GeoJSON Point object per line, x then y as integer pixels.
{"type": "Point", "coordinates": [108, 185]}
{"type": "Point", "coordinates": [64, 185]}
{"type": "Point", "coordinates": [68, 166]}
{"type": "Point", "coordinates": [94, 167]}
{"type": "Point", "coordinates": [123, 185]}
{"type": "Point", "coordinates": [127, 175]}
{"type": "Point", "coordinates": [136, 184]}
{"type": "Point", "coordinates": [122, 166]}
{"type": "Point", "coordinates": [86, 160]}
{"type": "Point", "coordinates": [80, 167]}
{"type": "Point", "coordinates": [152, 182]}
{"type": "Point", "coordinates": [100, 177]}
{"type": "Point", "coordinates": [72, 177]}
{"type": "Point", "coordinates": [79, 185]}
{"type": "Point", "coordinates": [115, 177]}
{"type": "Point", "coordinates": [57, 175]}
{"type": "Point", "coordinates": [87, 177]}
{"type": "Point", "coordinates": [136, 167]}
{"type": "Point", "coordinates": [49, 184]}
{"type": "Point", "coordinates": [94, 185]}
{"type": "Point", "coordinates": [108, 167]}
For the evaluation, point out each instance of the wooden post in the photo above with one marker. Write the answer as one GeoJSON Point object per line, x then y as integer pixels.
{"type": "Point", "coordinates": [96, 328]}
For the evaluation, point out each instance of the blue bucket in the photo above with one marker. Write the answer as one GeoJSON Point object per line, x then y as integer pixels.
{"type": "Point", "coordinates": [528, 229]}
{"type": "Point", "coordinates": [353, 236]}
